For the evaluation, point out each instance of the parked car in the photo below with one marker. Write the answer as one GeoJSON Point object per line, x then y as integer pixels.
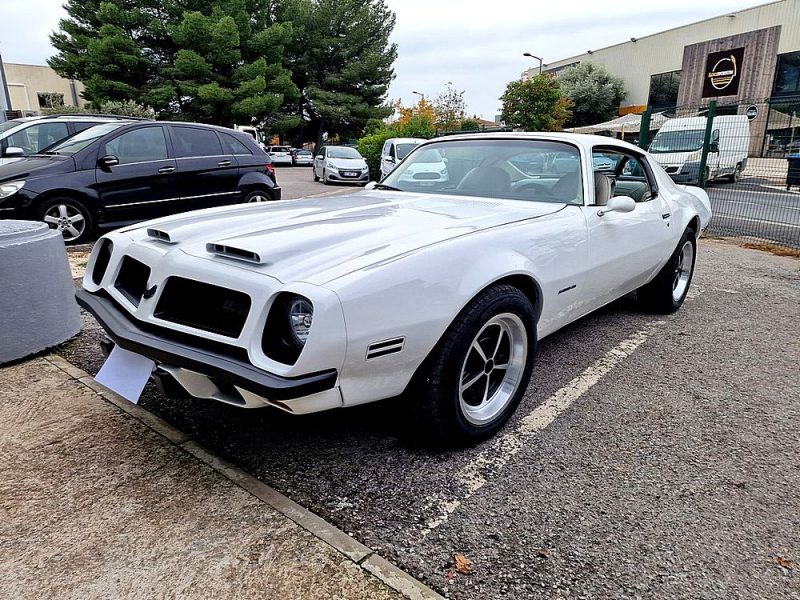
{"type": "Point", "coordinates": [302, 158]}
{"type": "Point", "coordinates": [678, 147]}
{"type": "Point", "coordinates": [280, 155]}
{"type": "Point", "coordinates": [254, 133]}
{"type": "Point", "coordinates": [30, 135]}
{"type": "Point", "coordinates": [123, 172]}
{"type": "Point", "coordinates": [340, 164]}
{"type": "Point", "coordinates": [429, 168]}
{"type": "Point", "coordinates": [394, 150]}
{"type": "Point", "coordinates": [441, 293]}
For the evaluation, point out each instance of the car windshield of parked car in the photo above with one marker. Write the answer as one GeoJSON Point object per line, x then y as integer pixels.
{"type": "Point", "coordinates": [687, 140]}
{"type": "Point", "coordinates": [303, 153]}
{"type": "Point", "coordinates": [79, 141]}
{"type": "Point", "coordinates": [530, 170]}
{"type": "Point", "coordinates": [404, 149]}
{"type": "Point", "coordinates": [280, 149]}
{"type": "Point", "coordinates": [342, 152]}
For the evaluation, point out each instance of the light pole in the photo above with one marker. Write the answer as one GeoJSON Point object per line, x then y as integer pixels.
{"type": "Point", "coordinates": [529, 55]}
{"type": "Point", "coordinates": [419, 94]}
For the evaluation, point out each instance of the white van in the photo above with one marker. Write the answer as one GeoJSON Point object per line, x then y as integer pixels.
{"type": "Point", "coordinates": [678, 146]}
{"type": "Point", "coordinates": [395, 150]}
{"type": "Point", "coordinates": [252, 132]}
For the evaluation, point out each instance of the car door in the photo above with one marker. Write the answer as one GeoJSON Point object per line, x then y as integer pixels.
{"type": "Point", "coordinates": [319, 162]}
{"type": "Point", "coordinates": [207, 174]}
{"type": "Point", "coordinates": [141, 185]}
{"type": "Point", "coordinates": [387, 158]}
{"type": "Point", "coordinates": [625, 249]}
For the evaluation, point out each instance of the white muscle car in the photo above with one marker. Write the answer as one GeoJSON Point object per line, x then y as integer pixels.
{"type": "Point", "coordinates": [437, 289]}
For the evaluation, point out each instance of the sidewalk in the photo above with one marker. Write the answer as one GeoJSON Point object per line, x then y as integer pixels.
{"type": "Point", "coordinates": [100, 499]}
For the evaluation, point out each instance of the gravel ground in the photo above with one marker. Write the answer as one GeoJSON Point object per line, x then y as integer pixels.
{"type": "Point", "coordinates": [676, 476]}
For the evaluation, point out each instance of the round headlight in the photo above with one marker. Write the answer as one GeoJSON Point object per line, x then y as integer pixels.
{"type": "Point", "coordinates": [301, 315]}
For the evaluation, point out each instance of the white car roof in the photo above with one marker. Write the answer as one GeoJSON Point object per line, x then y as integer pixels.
{"type": "Point", "coordinates": [406, 140]}
{"type": "Point", "coordinates": [586, 140]}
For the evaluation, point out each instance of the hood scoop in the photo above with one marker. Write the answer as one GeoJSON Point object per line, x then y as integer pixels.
{"type": "Point", "coordinates": [235, 253]}
{"type": "Point", "coordinates": [160, 235]}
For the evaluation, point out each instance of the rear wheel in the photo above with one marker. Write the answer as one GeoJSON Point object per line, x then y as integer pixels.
{"type": "Point", "coordinates": [70, 217]}
{"type": "Point", "coordinates": [667, 291]}
{"type": "Point", "coordinates": [257, 196]}
{"type": "Point", "coordinates": [476, 376]}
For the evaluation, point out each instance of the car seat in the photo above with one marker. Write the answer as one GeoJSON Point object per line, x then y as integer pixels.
{"type": "Point", "coordinates": [486, 181]}
{"type": "Point", "coordinates": [603, 189]}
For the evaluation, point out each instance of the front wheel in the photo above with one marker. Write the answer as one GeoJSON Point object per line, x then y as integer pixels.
{"type": "Point", "coordinates": [474, 379]}
{"type": "Point", "coordinates": [68, 216]}
{"type": "Point", "coordinates": [667, 291]}
{"type": "Point", "coordinates": [314, 171]}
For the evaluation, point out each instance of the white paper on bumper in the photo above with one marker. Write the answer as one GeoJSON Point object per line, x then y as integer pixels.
{"type": "Point", "coordinates": [126, 373]}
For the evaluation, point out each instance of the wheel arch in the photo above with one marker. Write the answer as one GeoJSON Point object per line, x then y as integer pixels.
{"type": "Point", "coordinates": [88, 200]}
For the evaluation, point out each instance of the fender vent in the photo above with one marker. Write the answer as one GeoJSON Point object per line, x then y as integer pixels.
{"type": "Point", "coordinates": [385, 347]}
{"type": "Point", "coordinates": [158, 234]}
{"type": "Point", "coordinates": [232, 252]}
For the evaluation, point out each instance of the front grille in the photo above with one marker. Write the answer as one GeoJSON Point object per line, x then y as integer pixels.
{"type": "Point", "coordinates": [426, 175]}
{"type": "Point", "coordinates": [203, 306]}
{"type": "Point", "coordinates": [132, 279]}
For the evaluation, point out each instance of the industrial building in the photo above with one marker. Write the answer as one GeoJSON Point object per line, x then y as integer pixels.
{"type": "Point", "coordinates": [31, 88]}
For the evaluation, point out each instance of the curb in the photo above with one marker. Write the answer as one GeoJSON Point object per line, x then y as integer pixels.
{"type": "Point", "coordinates": [364, 557]}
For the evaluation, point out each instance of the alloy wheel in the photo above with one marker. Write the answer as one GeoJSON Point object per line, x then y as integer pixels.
{"type": "Point", "coordinates": [493, 368]}
{"type": "Point", "coordinates": [66, 218]}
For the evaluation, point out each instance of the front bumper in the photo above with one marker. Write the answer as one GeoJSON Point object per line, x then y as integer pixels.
{"type": "Point", "coordinates": [338, 176]}
{"type": "Point", "coordinates": [689, 174]}
{"type": "Point", "coordinates": [130, 335]}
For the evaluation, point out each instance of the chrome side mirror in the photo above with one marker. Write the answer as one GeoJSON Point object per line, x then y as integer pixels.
{"type": "Point", "coordinates": [622, 204]}
{"type": "Point", "coordinates": [13, 152]}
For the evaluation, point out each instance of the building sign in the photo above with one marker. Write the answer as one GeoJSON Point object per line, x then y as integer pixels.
{"type": "Point", "coordinates": [723, 72]}
{"type": "Point", "coordinates": [752, 112]}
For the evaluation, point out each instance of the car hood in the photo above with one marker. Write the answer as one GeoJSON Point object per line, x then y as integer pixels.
{"type": "Point", "coordinates": [348, 163]}
{"type": "Point", "coordinates": [35, 166]}
{"type": "Point", "coordinates": [320, 239]}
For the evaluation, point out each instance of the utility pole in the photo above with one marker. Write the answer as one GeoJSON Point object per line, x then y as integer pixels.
{"type": "Point", "coordinates": [5, 99]}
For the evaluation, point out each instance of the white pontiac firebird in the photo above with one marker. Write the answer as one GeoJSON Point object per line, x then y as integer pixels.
{"type": "Point", "coordinates": [436, 289]}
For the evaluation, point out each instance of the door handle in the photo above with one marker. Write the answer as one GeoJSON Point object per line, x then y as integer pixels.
{"type": "Point", "coordinates": [224, 163]}
{"type": "Point", "coordinates": [666, 216]}
{"type": "Point", "coordinates": [165, 170]}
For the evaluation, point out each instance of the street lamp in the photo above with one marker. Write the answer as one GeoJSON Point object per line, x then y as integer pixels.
{"type": "Point", "coordinates": [419, 94]}
{"type": "Point", "coordinates": [529, 55]}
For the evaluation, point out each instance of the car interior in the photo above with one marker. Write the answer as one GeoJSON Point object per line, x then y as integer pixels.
{"type": "Point", "coordinates": [627, 177]}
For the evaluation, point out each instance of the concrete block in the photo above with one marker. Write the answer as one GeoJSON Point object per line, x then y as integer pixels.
{"type": "Point", "coordinates": [37, 295]}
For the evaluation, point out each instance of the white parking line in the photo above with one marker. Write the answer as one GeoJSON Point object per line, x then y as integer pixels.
{"type": "Point", "coordinates": [493, 458]}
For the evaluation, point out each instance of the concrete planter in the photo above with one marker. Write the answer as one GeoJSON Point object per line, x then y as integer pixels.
{"type": "Point", "coordinates": [37, 295]}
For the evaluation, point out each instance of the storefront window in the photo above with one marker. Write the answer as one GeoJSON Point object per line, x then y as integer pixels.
{"type": "Point", "coordinates": [787, 76]}
{"type": "Point", "coordinates": [664, 89]}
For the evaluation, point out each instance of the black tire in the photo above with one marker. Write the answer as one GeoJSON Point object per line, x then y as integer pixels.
{"type": "Point", "coordinates": [734, 177]}
{"type": "Point", "coordinates": [659, 296]}
{"type": "Point", "coordinates": [50, 209]}
{"type": "Point", "coordinates": [314, 171]}
{"type": "Point", "coordinates": [438, 416]}
{"type": "Point", "coordinates": [258, 196]}
{"type": "Point", "coordinates": [324, 178]}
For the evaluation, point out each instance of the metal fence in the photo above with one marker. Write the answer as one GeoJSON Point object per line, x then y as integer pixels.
{"type": "Point", "coordinates": [746, 156]}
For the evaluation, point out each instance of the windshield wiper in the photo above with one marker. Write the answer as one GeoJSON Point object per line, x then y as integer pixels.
{"type": "Point", "coordinates": [383, 186]}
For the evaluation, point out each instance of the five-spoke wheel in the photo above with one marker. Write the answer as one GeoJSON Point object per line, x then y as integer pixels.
{"type": "Point", "coordinates": [69, 217]}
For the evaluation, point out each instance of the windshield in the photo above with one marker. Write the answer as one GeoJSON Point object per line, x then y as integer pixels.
{"type": "Point", "coordinates": [403, 150]}
{"type": "Point", "coordinates": [79, 141]}
{"type": "Point", "coordinates": [279, 149]}
{"type": "Point", "coordinates": [342, 152]}
{"type": "Point", "coordinates": [687, 140]}
{"type": "Point", "coordinates": [303, 153]}
{"type": "Point", "coordinates": [532, 170]}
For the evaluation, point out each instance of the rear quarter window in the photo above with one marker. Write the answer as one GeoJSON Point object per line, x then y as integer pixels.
{"type": "Point", "coordinates": [191, 141]}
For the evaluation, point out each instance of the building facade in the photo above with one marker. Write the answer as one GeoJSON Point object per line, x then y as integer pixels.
{"type": "Point", "coordinates": [748, 61]}
{"type": "Point", "coordinates": [32, 88]}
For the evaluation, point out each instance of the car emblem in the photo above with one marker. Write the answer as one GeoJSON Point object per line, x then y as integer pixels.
{"type": "Point", "coordinates": [149, 293]}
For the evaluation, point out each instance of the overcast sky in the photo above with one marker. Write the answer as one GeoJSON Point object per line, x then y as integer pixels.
{"type": "Point", "coordinates": [477, 45]}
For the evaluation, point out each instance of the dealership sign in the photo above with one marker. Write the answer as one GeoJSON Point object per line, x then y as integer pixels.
{"type": "Point", "coordinates": [723, 72]}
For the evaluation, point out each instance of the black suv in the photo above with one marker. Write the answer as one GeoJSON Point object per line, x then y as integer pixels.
{"type": "Point", "coordinates": [119, 173]}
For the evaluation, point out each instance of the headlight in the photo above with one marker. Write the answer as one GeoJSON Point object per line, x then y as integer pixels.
{"type": "Point", "coordinates": [10, 188]}
{"type": "Point", "coordinates": [301, 315]}
{"type": "Point", "coordinates": [330, 165]}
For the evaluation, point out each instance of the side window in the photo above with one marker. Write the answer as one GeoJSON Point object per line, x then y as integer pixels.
{"type": "Point", "coordinates": [83, 125]}
{"type": "Point", "coordinates": [233, 146]}
{"type": "Point", "coordinates": [626, 172]}
{"type": "Point", "coordinates": [190, 141]}
{"type": "Point", "coordinates": [139, 145]}
{"type": "Point", "coordinates": [392, 153]}
{"type": "Point", "coordinates": [385, 151]}
{"type": "Point", "coordinates": [38, 137]}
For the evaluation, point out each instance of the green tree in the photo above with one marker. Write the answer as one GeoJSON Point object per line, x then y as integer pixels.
{"type": "Point", "coordinates": [341, 61]}
{"type": "Point", "coordinates": [450, 109]}
{"type": "Point", "coordinates": [594, 92]}
{"type": "Point", "coordinates": [535, 105]}
{"type": "Point", "coordinates": [470, 124]}
{"type": "Point", "coordinates": [217, 61]}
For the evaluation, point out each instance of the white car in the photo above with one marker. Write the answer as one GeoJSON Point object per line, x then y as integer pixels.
{"type": "Point", "coordinates": [280, 155]}
{"type": "Point", "coordinates": [428, 170]}
{"type": "Point", "coordinates": [442, 292]}
{"type": "Point", "coordinates": [395, 150]}
{"type": "Point", "coordinates": [340, 164]}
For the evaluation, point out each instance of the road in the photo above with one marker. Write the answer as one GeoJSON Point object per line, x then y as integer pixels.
{"type": "Point", "coordinates": [757, 206]}
{"type": "Point", "coordinates": [298, 182]}
{"type": "Point", "coordinates": [652, 457]}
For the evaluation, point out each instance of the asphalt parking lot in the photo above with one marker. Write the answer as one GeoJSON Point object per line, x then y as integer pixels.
{"type": "Point", "coordinates": [298, 182]}
{"type": "Point", "coordinates": [651, 457]}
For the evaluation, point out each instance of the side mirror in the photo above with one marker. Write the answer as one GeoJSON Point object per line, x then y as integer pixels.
{"type": "Point", "coordinates": [622, 204]}
{"type": "Point", "coordinates": [13, 152]}
{"type": "Point", "coordinates": [371, 185]}
{"type": "Point", "coordinates": [319, 157]}
{"type": "Point", "coordinates": [388, 158]}
{"type": "Point", "coordinates": [713, 147]}
{"type": "Point", "coordinates": [107, 162]}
